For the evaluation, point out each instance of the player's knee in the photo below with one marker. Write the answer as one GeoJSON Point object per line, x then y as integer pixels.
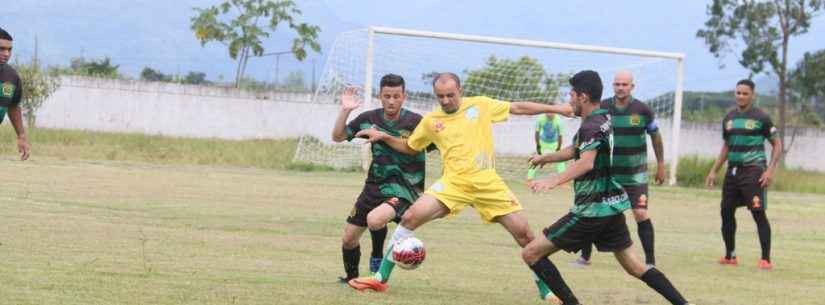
{"type": "Point", "coordinates": [409, 219]}
{"type": "Point", "coordinates": [375, 222]}
{"type": "Point", "coordinates": [349, 242]}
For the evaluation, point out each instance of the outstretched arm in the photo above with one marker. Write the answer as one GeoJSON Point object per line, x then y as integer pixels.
{"type": "Point", "coordinates": [529, 108]}
{"type": "Point", "coordinates": [374, 135]}
{"type": "Point", "coordinates": [578, 168]}
{"type": "Point", "coordinates": [559, 156]}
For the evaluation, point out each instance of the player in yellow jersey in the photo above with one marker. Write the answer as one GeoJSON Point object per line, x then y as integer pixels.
{"type": "Point", "coordinates": [463, 133]}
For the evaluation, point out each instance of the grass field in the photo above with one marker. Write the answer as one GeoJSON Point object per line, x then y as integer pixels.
{"type": "Point", "coordinates": [128, 232]}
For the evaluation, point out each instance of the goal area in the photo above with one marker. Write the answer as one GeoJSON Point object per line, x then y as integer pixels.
{"type": "Point", "coordinates": [507, 69]}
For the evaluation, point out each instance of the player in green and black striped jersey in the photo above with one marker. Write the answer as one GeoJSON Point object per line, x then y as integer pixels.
{"type": "Point", "coordinates": [632, 120]}
{"type": "Point", "coordinates": [11, 93]}
{"type": "Point", "coordinates": [394, 179]}
{"type": "Point", "coordinates": [745, 130]}
{"type": "Point", "coordinates": [597, 215]}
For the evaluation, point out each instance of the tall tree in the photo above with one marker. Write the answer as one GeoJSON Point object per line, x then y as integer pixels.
{"type": "Point", "coordinates": [766, 28]}
{"type": "Point", "coordinates": [37, 87]}
{"type": "Point", "coordinates": [242, 24]}
{"type": "Point", "coordinates": [808, 78]}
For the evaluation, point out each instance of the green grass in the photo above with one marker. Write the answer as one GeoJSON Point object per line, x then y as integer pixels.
{"type": "Point", "coordinates": [113, 232]}
{"type": "Point", "coordinates": [84, 145]}
{"type": "Point", "coordinates": [694, 169]}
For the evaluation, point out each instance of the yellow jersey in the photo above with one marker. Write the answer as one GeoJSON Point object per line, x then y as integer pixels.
{"type": "Point", "coordinates": [465, 137]}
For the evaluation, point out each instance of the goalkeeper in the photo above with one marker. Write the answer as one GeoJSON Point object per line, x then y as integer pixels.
{"type": "Point", "coordinates": [394, 179]}
{"type": "Point", "coordinates": [462, 130]}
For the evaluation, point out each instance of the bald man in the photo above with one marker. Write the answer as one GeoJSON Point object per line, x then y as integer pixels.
{"type": "Point", "coordinates": [631, 119]}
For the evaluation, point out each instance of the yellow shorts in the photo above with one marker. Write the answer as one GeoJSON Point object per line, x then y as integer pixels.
{"type": "Point", "coordinates": [485, 192]}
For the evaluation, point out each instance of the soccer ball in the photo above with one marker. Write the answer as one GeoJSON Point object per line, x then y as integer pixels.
{"type": "Point", "coordinates": [408, 253]}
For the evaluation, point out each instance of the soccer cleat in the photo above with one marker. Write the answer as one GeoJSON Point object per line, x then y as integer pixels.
{"type": "Point", "coordinates": [765, 265]}
{"type": "Point", "coordinates": [581, 262]}
{"type": "Point", "coordinates": [375, 264]}
{"type": "Point", "coordinates": [343, 280]}
{"type": "Point", "coordinates": [364, 283]}
{"type": "Point", "coordinates": [728, 261]}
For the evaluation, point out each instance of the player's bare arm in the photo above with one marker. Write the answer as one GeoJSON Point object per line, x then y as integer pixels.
{"type": "Point", "coordinates": [710, 180]}
{"type": "Point", "coordinates": [776, 154]}
{"type": "Point", "coordinates": [16, 117]}
{"type": "Point", "coordinates": [530, 108]}
{"type": "Point", "coordinates": [349, 102]}
{"type": "Point", "coordinates": [559, 156]}
{"type": "Point", "coordinates": [373, 135]}
{"type": "Point", "coordinates": [578, 168]}
{"type": "Point", "coordinates": [659, 150]}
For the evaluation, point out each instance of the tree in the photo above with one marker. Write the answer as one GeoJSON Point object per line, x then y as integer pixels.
{"type": "Point", "coordinates": [766, 28]}
{"type": "Point", "coordinates": [808, 78]}
{"type": "Point", "coordinates": [243, 34]}
{"type": "Point", "coordinates": [152, 75]}
{"type": "Point", "coordinates": [102, 68]}
{"type": "Point", "coordinates": [196, 78]}
{"type": "Point", "coordinates": [523, 79]}
{"type": "Point", "coordinates": [37, 87]}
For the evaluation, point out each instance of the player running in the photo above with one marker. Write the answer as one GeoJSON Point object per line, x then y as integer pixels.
{"type": "Point", "coordinates": [597, 215]}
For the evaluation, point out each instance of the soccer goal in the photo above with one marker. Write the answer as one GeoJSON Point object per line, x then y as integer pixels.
{"type": "Point", "coordinates": [503, 68]}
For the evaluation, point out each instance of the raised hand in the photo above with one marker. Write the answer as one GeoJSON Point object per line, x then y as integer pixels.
{"type": "Point", "coordinates": [350, 99]}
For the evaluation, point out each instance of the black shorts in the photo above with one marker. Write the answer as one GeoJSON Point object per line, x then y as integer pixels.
{"type": "Point", "coordinates": [742, 188]}
{"type": "Point", "coordinates": [370, 198]}
{"type": "Point", "coordinates": [637, 195]}
{"type": "Point", "coordinates": [571, 233]}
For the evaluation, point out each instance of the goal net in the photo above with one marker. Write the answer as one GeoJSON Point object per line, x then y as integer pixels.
{"type": "Point", "coordinates": [501, 68]}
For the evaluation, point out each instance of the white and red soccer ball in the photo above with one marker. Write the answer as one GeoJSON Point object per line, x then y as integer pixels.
{"type": "Point", "coordinates": [408, 253]}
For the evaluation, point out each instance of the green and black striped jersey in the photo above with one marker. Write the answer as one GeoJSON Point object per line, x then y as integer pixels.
{"type": "Point", "coordinates": [745, 134]}
{"type": "Point", "coordinates": [396, 174]}
{"type": "Point", "coordinates": [631, 125]}
{"type": "Point", "coordinates": [597, 194]}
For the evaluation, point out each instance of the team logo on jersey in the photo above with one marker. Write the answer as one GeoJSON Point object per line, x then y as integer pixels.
{"type": "Point", "coordinates": [750, 124]}
{"type": "Point", "coordinates": [438, 126]}
{"type": "Point", "coordinates": [471, 113]}
{"type": "Point", "coordinates": [729, 125]}
{"type": "Point", "coordinates": [635, 120]}
{"type": "Point", "coordinates": [757, 203]}
{"type": "Point", "coordinates": [8, 89]}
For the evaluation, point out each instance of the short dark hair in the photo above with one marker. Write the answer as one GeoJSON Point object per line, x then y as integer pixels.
{"type": "Point", "coordinates": [449, 75]}
{"type": "Point", "coordinates": [392, 80]}
{"type": "Point", "coordinates": [5, 35]}
{"type": "Point", "coordinates": [588, 82]}
{"type": "Point", "coordinates": [748, 83]}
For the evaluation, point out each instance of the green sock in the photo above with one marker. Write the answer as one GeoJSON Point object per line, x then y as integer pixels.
{"type": "Point", "coordinates": [531, 173]}
{"type": "Point", "coordinates": [387, 264]}
{"type": "Point", "coordinates": [544, 291]}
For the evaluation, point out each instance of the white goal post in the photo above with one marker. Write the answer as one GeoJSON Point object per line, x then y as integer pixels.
{"type": "Point", "coordinates": [372, 61]}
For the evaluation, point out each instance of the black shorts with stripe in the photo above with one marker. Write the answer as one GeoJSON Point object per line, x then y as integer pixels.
{"type": "Point", "coordinates": [742, 188]}
{"type": "Point", "coordinates": [571, 233]}
{"type": "Point", "coordinates": [370, 198]}
{"type": "Point", "coordinates": [638, 195]}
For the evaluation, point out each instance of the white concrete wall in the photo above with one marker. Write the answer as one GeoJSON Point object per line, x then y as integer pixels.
{"type": "Point", "coordinates": [210, 112]}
